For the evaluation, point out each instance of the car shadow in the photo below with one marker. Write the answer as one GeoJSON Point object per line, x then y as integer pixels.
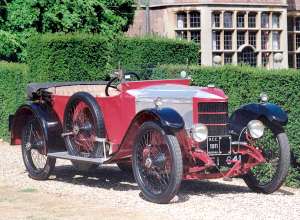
{"type": "Point", "coordinates": [111, 177]}
{"type": "Point", "coordinates": [102, 177]}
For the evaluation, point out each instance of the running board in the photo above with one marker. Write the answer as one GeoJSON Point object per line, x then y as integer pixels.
{"type": "Point", "coordinates": [66, 156]}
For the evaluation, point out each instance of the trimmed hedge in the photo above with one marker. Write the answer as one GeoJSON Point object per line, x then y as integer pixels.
{"type": "Point", "coordinates": [244, 84]}
{"type": "Point", "coordinates": [60, 57]}
{"type": "Point", "coordinates": [136, 54]}
{"type": "Point", "coordinates": [13, 80]}
{"type": "Point", "coordinates": [73, 57]}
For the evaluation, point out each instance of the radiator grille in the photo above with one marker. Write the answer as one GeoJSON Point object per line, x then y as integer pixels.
{"type": "Point", "coordinates": [215, 116]}
{"type": "Point", "coordinates": [213, 107]}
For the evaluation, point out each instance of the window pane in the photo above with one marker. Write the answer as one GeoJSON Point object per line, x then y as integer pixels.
{"type": "Point", "coordinates": [291, 42]}
{"type": "Point", "coordinates": [216, 40]}
{"type": "Point", "coordinates": [265, 20]}
{"type": "Point", "coordinates": [227, 40]}
{"type": "Point", "coordinates": [240, 20]}
{"type": "Point", "coordinates": [252, 39]}
{"type": "Point", "coordinates": [297, 41]}
{"type": "Point", "coordinates": [264, 40]}
{"type": "Point", "coordinates": [196, 36]}
{"type": "Point", "coordinates": [298, 61]}
{"type": "Point", "coordinates": [275, 20]}
{"type": "Point", "coordinates": [195, 20]}
{"type": "Point", "coordinates": [291, 61]}
{"type": "Point", "coordinates": [265, 59]}
{"type": "Point", "coordinates": [228, 20]}
{"type": "Point", "coordinates": [290, 23]}
{"type": "Point", "coordinates": [181, 20]}
{"type": "Point", "coordinates": [297, 24]}
{"type": "Point", "coordinates": [181, 34]}
{"type": "Point", "coordinates": [276, 40]}
{"type": "Point", "coordinates": [227, 58]}
{"type": "Point", "coordinates": [216, 19]}
{"type": "Point", "coordinates": [252, 20]}
{"type": "Point", "coordinates": [240, 39]}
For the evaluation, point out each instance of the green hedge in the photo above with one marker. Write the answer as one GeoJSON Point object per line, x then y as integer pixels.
{"type": "Point", "coordinates": [59, 57]}
{"type": "Point", "coordinates": [244, 84]}
{"type": "Point", "coordinates": [135, 54]}
{"type": "Point", "coordinates": [12, 91]}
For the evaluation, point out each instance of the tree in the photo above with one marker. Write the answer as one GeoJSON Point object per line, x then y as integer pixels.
{"type": "Point", "coordinates": [23, 18]}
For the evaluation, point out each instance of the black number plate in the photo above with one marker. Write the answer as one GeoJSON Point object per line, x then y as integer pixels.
{"type": "Point", "coordinates": [219, 145]}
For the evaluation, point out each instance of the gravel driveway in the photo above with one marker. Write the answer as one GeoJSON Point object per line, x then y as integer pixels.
{"type": "Point", "coordinates": [109, 193]}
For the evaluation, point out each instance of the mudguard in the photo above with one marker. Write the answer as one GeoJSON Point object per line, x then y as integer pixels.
{"type": "Point", "coordinates": [167, 117]}
{"type": "Point", "coordinates": [47, 118]}
{"type": "Point", "coordinates": [170, 120]}
{"type": "Point", "coordinates": [268, 112]}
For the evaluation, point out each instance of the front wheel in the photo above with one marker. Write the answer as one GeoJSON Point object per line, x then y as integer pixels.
{"type": "Point", "coordinates": [269, 176]}
{"type": "Point", "coordinates": [157, 163]}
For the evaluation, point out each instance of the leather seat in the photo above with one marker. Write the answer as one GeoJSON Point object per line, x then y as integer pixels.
{"type": "Point", "coordinates": [94, 90]}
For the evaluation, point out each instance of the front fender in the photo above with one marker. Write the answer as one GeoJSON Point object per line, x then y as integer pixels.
{"type": "Point", "coordinates": [272, 114]}
{"type": "Point", "coordinates": [167, 117]}
{"type": "Point", "coordinates": [170, 120]}
{"type": "Point", "coordinates": [47, 118]}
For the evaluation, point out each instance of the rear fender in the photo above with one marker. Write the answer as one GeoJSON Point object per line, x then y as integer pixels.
{"type": "Point", "coordinates": [47, 118]}
{"type": "Point", "coordinates": [268, 113]}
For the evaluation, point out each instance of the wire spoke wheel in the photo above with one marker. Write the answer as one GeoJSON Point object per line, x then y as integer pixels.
{"type": "Point", "coordinates": [34, 151]}
{"type": "Point", "coordinates": [154, 161]}
{"type": "Point", "coordinates": [35, 148]}
{"type": "Point", "coordinates": [83, 126]}
{"type": "Point", "coordinates": [269, 144]}
{"type": "Point", "coordinates": [157, 163]}
{"type": "Point", "coordinates": [269, 176]}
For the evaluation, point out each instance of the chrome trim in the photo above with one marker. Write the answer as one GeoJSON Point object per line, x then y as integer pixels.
{"type": "Point", "coordinates": [239, 143]}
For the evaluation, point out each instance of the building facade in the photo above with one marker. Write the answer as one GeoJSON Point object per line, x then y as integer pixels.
{"type": "Point", "coordinates": [263, 33]}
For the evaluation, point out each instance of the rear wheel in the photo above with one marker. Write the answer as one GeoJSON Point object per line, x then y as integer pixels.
{"type": "Point", "coordinates": [34, 151]}
{"type": "Point", "coordinates": [269, 176]}
{"type": "Point", "coordinates": [83, 126]}
{"type": "Point", "coordinates": [157, 163]}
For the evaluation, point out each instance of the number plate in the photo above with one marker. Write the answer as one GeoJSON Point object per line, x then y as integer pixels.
{"type": "Point", "coordinates": [219, 145]}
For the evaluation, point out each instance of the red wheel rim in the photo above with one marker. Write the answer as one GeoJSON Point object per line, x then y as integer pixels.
{"type": "Point", "coordinates": [83, 126]}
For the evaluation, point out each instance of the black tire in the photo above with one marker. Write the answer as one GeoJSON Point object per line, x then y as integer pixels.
{"type": "Point", "coordinates": [275, 182]}
{"type": "Point", "coordinates": [40, 166]}
{"type": "Point", "coordinates": [95, 128]}
{"type": "Point", "coordinates": [167, 174]}
{"type": "Point", "coordinates": [125, 167]}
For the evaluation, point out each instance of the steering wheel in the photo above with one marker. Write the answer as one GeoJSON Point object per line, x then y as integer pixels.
{"type": "Point", "coordinates": [113, 83]}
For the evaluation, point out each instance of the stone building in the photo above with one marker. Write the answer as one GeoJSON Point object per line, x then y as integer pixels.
{"type": "Point", "coordinates": [257, 32]}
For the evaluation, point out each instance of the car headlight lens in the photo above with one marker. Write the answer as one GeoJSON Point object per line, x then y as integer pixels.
{"type": "Point", "coordinates": [256, 128]}
{"type": "Point", "coordinates": [199, 132]}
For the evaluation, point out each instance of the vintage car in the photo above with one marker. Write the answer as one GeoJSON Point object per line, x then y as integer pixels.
{"type": "Point", "coordinates": [166, 131]}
